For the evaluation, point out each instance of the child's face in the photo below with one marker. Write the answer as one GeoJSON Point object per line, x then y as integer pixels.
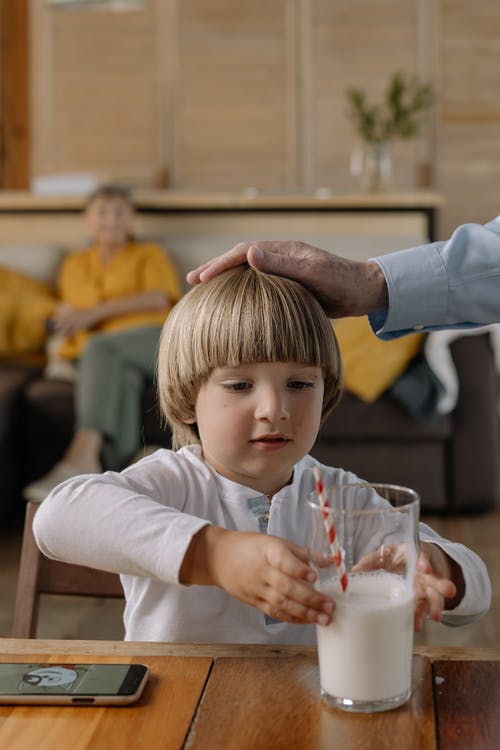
{"type": "Point", "coordinates": [256, 421]}
{"type": "Point", "coordinates": [110, 220]}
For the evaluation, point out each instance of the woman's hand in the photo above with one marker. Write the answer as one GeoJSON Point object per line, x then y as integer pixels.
{"type": "Point", "coordinates": [267, 572]}
{"type": "Point", "coordinates": [68, 320]}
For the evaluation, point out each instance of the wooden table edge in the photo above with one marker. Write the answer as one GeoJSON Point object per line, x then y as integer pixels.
{"type": "Point", "coordinates": [217, 650]}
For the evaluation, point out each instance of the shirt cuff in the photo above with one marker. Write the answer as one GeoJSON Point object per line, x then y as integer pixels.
{"type": "Point", "coordinates": [417, 288]}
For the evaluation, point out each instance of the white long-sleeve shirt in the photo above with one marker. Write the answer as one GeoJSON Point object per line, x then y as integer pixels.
{"type": "Point", "coordinates": [139, 523]}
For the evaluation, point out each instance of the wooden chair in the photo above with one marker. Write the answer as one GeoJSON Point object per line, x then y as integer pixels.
{"type": "Point", "coordinates": [39, 575]}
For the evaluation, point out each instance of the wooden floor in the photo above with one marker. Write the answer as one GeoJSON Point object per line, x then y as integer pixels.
{"type": "Point", "coordinates": [73, 617]}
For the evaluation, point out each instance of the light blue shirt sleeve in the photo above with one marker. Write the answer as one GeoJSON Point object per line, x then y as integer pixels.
{"type": "Point", "coordinates": [452, 284]}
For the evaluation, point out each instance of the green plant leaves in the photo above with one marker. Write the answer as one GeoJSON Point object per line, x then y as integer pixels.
{"type": "Point", "coordinates": [397, 116]}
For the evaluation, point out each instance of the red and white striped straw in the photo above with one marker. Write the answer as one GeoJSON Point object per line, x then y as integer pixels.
{"type": "Point", "coordinates": [330, 529]}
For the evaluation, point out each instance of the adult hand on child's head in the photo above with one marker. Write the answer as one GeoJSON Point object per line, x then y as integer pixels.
{"type": "Point", "coordinates": [342, 286]}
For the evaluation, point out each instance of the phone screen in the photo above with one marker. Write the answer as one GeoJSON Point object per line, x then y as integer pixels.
{"type": "Point", "coordinates": [70, 679]}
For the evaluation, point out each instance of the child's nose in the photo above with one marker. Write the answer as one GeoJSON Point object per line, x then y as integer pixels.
{"type": "Point", "coordinates": [272, 405]}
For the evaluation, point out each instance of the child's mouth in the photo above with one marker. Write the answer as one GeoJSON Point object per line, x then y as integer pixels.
{"type": "Point", "coordinates": [271, 441]}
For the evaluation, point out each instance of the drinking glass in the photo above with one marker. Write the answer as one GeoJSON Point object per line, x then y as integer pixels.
{"type": "Point", "coordinates": [363, 541]}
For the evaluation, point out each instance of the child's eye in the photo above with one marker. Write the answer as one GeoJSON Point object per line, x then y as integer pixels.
{"type": "Point", "coordinates": [239, 386]}
{"type": "Point", "coordinates": [300, 385]}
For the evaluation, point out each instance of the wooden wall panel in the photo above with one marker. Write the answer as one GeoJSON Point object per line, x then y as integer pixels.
{"type": "Point", "coordinates": [355, 43]}
{"type": "Point", "coordinates": [14, 95]}
{"type": "Point", "coordinates": [235, 99]}
{"type": "Point", "coordinates": [469, 117]}
{"type": "Point", "coordinates": [96, 98]}
{"type": "Point", "coordinates": [228, 95]}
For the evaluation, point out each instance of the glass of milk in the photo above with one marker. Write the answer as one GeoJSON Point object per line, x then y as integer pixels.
{"type": "Point", "coordinates": [365, 654]}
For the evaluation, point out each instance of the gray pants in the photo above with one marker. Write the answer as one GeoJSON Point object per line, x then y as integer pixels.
{"type": "Point", "coordinates": [112, 372]}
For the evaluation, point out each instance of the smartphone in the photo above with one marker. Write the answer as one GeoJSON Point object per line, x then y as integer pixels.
{"type": "Point", "coordinates": [72, 684]}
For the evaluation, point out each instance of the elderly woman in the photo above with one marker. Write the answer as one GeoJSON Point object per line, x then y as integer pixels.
{"type": "Point", "coordinates": [115, 296]}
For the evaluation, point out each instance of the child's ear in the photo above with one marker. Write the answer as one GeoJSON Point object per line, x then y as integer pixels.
{"type": "Point", "coordinates": [191, 419]}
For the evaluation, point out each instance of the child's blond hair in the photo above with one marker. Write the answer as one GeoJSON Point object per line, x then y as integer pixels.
{"type": "Point", "coordinates": [240, 317]}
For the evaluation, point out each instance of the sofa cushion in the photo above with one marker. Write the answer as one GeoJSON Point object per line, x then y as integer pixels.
{"type": "Point", "coordinates": [421, 466]}
{"type": "Point", "coordinates": [372, 365]}
{"type": "Point", "coordinates": [49, 408]}
{"type": "Point", "coordinates": [40, 261]}
{"type": "Point", "coordinates": [13, 379]}
{"type": "Point", "coordinates": [385, 419]}
{"type": "Point", "coordinates": [25, 306]}
{"type": "Point", "coordinates": [49, 413]}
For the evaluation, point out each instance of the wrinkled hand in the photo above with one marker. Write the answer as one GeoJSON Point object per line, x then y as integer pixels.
{"type": "Point", "coordinates": [262, 570]}
{"type": "Point", "coordinates": [68, 320]}
{"type": "Point", "coordinates": [433, 585]}
{"type": "Point", "coordinates": [342, 286]}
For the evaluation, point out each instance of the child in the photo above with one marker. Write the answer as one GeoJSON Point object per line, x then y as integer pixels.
{"type": "Point", "coordinates": [115, 296]}
{"type": "Point", "coordinates": [248, 369]}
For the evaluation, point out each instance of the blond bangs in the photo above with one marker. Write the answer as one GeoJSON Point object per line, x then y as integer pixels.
{"type": "Point", "coordinates": [242, 317]}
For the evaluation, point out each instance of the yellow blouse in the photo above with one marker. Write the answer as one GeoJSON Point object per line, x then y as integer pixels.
{"type": "Point", "coordinates": [85, 281]}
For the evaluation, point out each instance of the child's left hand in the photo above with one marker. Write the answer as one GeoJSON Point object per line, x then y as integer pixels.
{"type": "Point", "coordinates": [438, 584]}
{"type": "Point", "coordinates": [438, 579]}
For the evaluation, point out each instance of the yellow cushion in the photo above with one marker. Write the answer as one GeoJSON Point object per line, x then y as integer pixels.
{"type": "Point", "coordinates": [25, 305]}
{"type": "Point", "coordinates": [372, 365]}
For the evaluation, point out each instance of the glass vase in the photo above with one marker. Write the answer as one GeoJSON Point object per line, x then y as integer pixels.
{"type": "Point", "coordinates": [377, 166]}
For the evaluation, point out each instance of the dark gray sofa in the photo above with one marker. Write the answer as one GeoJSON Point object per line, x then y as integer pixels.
{"type": "Point", "coordinates": [453, 461]}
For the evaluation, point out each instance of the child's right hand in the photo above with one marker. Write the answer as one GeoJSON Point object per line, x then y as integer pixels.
{"type": "Point", "coordinates": [262, 570]}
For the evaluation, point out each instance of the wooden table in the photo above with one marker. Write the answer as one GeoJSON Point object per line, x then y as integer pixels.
{"type": "Point", "coordinates": [256, 697]}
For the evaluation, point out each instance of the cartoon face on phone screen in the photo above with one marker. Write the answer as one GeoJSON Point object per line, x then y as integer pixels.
{"type": "Point", "coordinates": [87, 684]}
{"type": "Point", "coordinates": [50, 676]}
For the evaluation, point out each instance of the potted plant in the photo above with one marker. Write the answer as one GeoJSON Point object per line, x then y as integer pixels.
{"type": "Point", "coordinates": [399, 115]}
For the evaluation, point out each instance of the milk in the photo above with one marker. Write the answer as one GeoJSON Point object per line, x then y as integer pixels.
{"type": "Point", "coordinates": [365, 654]}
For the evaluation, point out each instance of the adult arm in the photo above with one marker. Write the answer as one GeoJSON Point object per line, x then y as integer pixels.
{"type": "Point", "coordinates": [446, 284]}
{"type": "Point", "coordinates": [452, 284]}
